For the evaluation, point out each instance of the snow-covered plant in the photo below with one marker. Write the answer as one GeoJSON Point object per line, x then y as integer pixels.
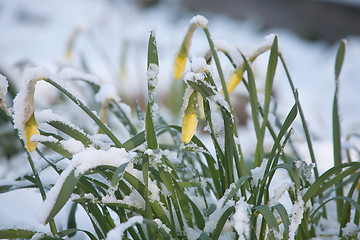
{"type": "Point", "coordinates": [155, 180]}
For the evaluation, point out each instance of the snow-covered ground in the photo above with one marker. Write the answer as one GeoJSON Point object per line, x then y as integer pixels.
{"type": "Point", "coordinates": [38, 31]}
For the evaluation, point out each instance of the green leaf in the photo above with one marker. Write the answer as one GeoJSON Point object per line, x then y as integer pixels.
{"type": "Point", "coordinates": [339, 58]}
{"type": "Point", "coordinates": [64, 194]}
{"type": "Point", "coordinates": [16, 233]}
{"type": "Point", "coordinates": [269, 81]}
{"type": "Point", "coordinates": [220, 225]}
{"type": "Point", "coordinates": [350, 200]}
{"type": "Point", "coordinates": [336, 124]}
{"type": "Point", "coordinates": [156, 207]}
{"type": "Point", "coordinates": [160, 230]}
{"type": "Point", "coordinates": [57, 147]}
{"type": "Point", "coordinates": [72, 231]}
{"type": "Point", "coordinates": [135, 141]}
{"type": "Point", "coordinates": [72, 219]}
{"type": "Point", "coordinates": [71, 131]}
{"type": "Point", "coordinates": [152, 62]}
{"type": "Point", "coordinates": [284, 217]}
{"type": "Point", "coordinates": [314, 188]}
{"type": "Point", "coordinates": [254, 104]}
{"type": "Point", "coordinates": [204, 236]}
{"type": "Point", "coordinates": [120, 114]}
{"type": "Point", "coordinates": [152, 50]}
{"type": "Point", "coordinates": [7, 187]}
{"type": "Point", "coordinates": [269, 218]}
{"type": "Point", "coordinates": [88, 111]}
{"type": "Point", "coordinates": [302, 117]}
{"type": "Point", "coordinates": [199, 219]}
{"type": "Point", "coordinates": [234, 190]}
{"type": "Point", "coordinates": [118, 174]}
{"type": "Point", "coordinates": [150, 131]}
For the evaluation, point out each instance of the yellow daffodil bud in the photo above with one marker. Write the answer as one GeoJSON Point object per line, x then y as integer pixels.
{"type": "Point", "coordinates": [180, 60]}
{"type": "Point", "coordinates": [234, 79]}
{"type": "Point", "coordinates": [189, 121]}
{"type": "Point", "coordinates": [23, 107]}
{"type": "Point", "coordinates": [179, 66]}
{"type": "Point", "coordinates": [189, 125]}
{"type": "Point", "coordinates": [30, 129]}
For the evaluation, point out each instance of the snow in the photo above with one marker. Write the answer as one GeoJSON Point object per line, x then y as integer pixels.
{"type": "Point", "coordinates": [118, 232]}
{"type": "Point", "coordinates": [42, 138]}
{"type": "Point", "coordinates": [72, 146]}
{"type": "Point", "coordinates": [241, 219]}
{"type": "Point", "coordinates": [188, 91]}
{"type": "Point", "coordinates": [199, 21]}
{"type": "Point", "coordinates": [258, 172]}
{"type": "Point", "coordinates": [296, 216]}
{"type": "Point", "coordinates": [81, 163]}
{"type": "Point", "coordinates": [279, 192]}
{"type": "Point", "coordinates": [48, 115]}
{"type": "Point", "coordinates": [350, 229]}
{"type": "Point", "coordinates": [69, 73]}
{"type": "Point", "coordinates": [107, 91]}
{"type": "Point", "coordinates": [199, 65]}
{"type": "Point", "coordinates": [235, 55]}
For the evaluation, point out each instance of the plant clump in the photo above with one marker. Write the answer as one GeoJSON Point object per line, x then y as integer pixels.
{"type": "Point", "coordinates": [150, 179]}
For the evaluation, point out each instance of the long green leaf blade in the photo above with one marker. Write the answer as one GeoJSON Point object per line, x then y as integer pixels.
{"type": "Point", "coordinates": [63, 195]}
{"type": "Point", "coordinates": [336, 123]}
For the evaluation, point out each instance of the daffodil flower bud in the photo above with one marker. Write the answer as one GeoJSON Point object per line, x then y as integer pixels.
{"type": "Point", "coordinates": [180, 59]}
{"type": "Point", "coordinates": [24, 119]}
{"type": "Point", "coordinates": [234, 79]}
{"type": "Point", "coordinates": [31, 129]}
{"type": "Point", "coordinates": [189, 121]}
{"type": "Point", "coordinates": [179, 66]}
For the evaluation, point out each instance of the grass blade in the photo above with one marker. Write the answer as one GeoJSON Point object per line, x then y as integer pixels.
{"type": "Point", "coordinates": [313, 189]}
{"type": "Point", "coordinates": [254, 103]}
{"type": "Point", "coordinates": [269, 82]}
{"type": "Point", "coordinates": [89, 112]}
{"type": "Point", "coordinates": [336, 124]}
{"type": "Point", "coordinates": [152, 67]}
{"type": "Point", "coordinates": [220, 225]}
{"type": "Point", "coordinates": [269, 218]}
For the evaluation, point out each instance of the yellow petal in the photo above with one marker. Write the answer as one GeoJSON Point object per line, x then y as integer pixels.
{"type": "Point", "coordinates": [234, 79]}
{"type": "Point", "coordinates": [189, 125]}
{"type": "Point", "coordinates": [179, 66]}
{"type": "Point", "coordinates": [31, 129]}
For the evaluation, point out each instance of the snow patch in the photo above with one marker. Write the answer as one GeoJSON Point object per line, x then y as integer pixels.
{"type": "Point", "coordinates": [118, 232]}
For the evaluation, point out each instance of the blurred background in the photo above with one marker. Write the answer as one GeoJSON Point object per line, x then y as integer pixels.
{"type": "Point", "coordinates": [329, 20]}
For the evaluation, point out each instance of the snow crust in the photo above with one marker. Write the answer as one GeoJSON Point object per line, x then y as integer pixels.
{"type": "Point", "coordinates": [107, 91]}
{"type": "Point", "coordinates": [80, 164]}
{"type": "Point", "coordinates": [199, 20]}
{"type": "Point", "coordinates": [258, 172]}
{"type": "Point", "coordinates": [118, 232]}
{"type": "Point", "coordinates": [241, 219]}
{"type": "Point", "coordinates": [350, 229]}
